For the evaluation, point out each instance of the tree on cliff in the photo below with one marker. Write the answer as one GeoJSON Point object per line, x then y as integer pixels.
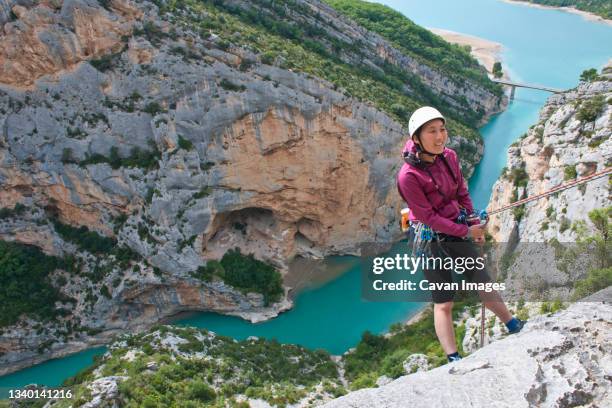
{"type": "Point", "coordinates": [589, 75]}
{"type": "Point", "coordinates": [497, 70]}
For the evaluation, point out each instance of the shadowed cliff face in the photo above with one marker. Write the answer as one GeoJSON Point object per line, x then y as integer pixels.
{"type": "Point", "coordinates": [180, 146]}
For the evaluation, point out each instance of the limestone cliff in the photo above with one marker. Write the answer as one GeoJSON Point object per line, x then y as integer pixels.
{"type": "Point", "coordinates": [547, 244]}
{"type": "Point", "coordinates": [571, 139]}
{"type": "Point", "coordinates": [178, 141]}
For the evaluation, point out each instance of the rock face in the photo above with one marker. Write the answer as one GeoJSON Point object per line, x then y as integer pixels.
{"type": "Point", "coordinates": [54, 36]}
{"type": "Point", "coordinates": [571, 140]}
{"type": "Point", "coordinates": [244, 153]}
{"type": "Point", "coordinates": [559, 141]}
{"type": "Point", "coordinates": [556, 361]}
{"type": "Point", "coordinates": [104, 391]}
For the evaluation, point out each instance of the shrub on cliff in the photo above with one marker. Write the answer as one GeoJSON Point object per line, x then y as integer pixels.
{"type": "Point", "coordinates": [16, 211]}
{"type": "Point", "coordinates": [589, 75]}
{"type": "Point", "coordinates": [590, 109]}
{"type": "Point", "coordinates": [244, 272]}
{"type": "Point", "coordinates": [85, 239]}
{"type": "Point", "coordinates": [145, 159]}
{"type": "Point", "coordinates": [569, 173]}
{"type": "Point", "coordinates": [249, 274]}
{"type": "Point", "coordinates": [595, 280]}
{"type": "Point", "coordinates": [497, 70]}
{"type": "Point", "coordinates": [377, 355]}
{"type": "Point", "coordinates": [26, 287]}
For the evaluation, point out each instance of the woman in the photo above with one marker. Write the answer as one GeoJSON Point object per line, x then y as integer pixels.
{"type": "Point", "coordinates": [431, 183]}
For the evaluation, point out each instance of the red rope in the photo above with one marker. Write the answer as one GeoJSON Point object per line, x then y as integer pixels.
{"type": "Point", "coordinates": [554, 190]}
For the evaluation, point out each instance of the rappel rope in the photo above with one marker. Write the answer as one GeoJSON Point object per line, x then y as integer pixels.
{"type": "Point", "coordinates": [554, 190]}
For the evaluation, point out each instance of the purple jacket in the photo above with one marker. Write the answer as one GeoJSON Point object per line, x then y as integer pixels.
{"type": "Point", "coordinates": [438, 209]}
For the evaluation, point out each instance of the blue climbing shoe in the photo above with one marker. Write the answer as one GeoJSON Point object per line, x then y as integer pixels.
{"type": "Point", "coordinates": [518, 326]}
{"type": "Point", "coordinates": [453, 357]}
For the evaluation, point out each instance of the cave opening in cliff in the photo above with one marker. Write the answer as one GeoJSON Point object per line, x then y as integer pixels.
{"type": "Point", "coordinates": [253, 229]}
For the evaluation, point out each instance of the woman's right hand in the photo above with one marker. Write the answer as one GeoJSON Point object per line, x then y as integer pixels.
{"type": "Point", "coordinates": [477, 233]}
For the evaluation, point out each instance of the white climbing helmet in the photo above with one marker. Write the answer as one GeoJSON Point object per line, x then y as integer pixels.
{"type": "Point", "coordinates": [422, 116]}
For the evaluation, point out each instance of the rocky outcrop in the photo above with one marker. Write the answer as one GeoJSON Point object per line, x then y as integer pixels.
{"type": "Point", "coordinates": [561, 146]}
{"type": "Point", "coordinates": [179, 145]}
{"type": "Point", "coordinates": [559, 360]}
{"type": "Point", "coordinates": [54, 36]}
{"type": "Point", "coordinates": [571, 140]}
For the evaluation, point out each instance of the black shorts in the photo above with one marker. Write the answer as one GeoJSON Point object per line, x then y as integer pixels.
{"type": "Point", "coordinates": [454, 248]}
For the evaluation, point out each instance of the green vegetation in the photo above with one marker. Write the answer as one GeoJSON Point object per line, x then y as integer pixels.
{"type": "Point", "coordinates": [146, 159]}
{"type": "Point", "coordinates": [518, 176]}
{"type": "Point", "coordinates": [569, 172]}
{"type": "Point", "coordinates": [602, 8]}
{"type": "Point", "coordinates": [153, 108]}
{"type": "Point", "coordinates": [551, 307]}
{"type": "Point", "coordinates": [16, 211]}
{"type": "Point", "coordinates": [591, 108]}
{"type": "Point", "coordinates": [127, 105]}
{"type": "Point", "coordinates": [415, 40]}
{"type": "Point", "coordinates": [152, 32]}
{"type": "Point", "coordinates": [244, 272]}
{"type": "Point", "coordinates": [497, 70]}
{"type": "Point", "coordinates": [589, 75]}
{"type": "Point", "coordinates": [106, 62]}
{"type": "Point", "coordinates": [75, 133]}
{"type": "Point", "coordinates": [564, 224]}
{"type": "Point", "coordinates": [230, 86]}
{"type": "Point", "coordinates": [599, 275]}
{"type": "Point", "coordinates": [518, 212]}
{"type": "Point", "coordinates": [595, 280]}
{"type": "Point", "coordinates": [184, 144]}
{"type": "Point", "coordinates": [377, 355]}
{"type": "Point", "coordinates": [270, 31]}
{"type": "Point", "coordinates": [204, 192]}
{"type": "Point", "coordinates": [26, 287]}
{"type": "Point", "coordinates": [95, 243]}
{"type": "Point", "coordinates": [280, 374]}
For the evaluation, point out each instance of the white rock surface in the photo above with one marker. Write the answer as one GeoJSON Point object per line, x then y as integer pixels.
{"type": "Point", "coordinates": [561, 360]}
{"type": "Point", "coordinates": [104, 391]}
{"type": "Point", "coordinates": [415, 363]}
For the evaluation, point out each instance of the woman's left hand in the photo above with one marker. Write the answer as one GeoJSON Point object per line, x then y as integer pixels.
{"type": "Point", "coordinates": [477, 233]}
{"type": "Point", "coordinates": [479, 240]}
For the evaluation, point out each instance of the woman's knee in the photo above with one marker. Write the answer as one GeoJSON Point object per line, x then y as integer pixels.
{"type": "Point", "coordinates": [446, 307]}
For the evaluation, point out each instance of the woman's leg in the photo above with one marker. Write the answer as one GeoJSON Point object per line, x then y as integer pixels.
{"type": "Point", "coordinates": [493, 301]}
{"type": "Point", "coordinates": [443, 322]}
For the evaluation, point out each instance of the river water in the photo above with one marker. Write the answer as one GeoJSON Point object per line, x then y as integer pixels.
{"type": "Point", "coordinates": [541, 46]}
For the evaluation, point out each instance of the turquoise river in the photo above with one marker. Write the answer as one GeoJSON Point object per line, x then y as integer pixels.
{"type": "Point", "coordinates": [541, 46]}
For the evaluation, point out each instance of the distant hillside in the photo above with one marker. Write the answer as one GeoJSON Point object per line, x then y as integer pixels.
{"type": "Point", "coordinates": [602, 8]}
